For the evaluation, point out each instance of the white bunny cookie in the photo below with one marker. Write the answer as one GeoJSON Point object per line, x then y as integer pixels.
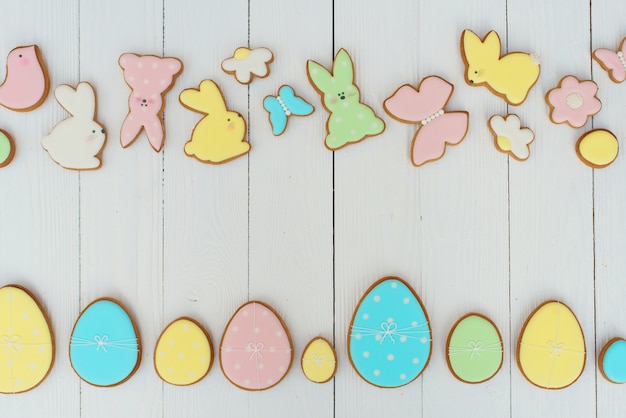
{"type": "Point", "coordinates": [75, 143]}
{"type": "Point", "coordinates": [219, 136]}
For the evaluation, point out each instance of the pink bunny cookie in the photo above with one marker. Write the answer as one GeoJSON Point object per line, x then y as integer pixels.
{"type": "Point", "coordinates": [149, 77]}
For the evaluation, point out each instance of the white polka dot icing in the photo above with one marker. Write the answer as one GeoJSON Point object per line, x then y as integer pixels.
{"type": "Point", "coordinates": [389, 340]}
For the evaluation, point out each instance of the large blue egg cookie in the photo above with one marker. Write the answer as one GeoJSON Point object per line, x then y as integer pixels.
{"type": "Point", "coordinates": [389, 340]}
{"type": "Point", "coordinates": [105, 348]}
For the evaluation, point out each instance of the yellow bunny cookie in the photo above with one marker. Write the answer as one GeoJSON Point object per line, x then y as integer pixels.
{"type": "Point", "coordinates": [510, 76]}
{"type": "Point", "coordinates": [219, 136]}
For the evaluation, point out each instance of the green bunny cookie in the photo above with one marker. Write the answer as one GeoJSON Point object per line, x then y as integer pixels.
{"type": "Point", "coordinates": [350, 121]}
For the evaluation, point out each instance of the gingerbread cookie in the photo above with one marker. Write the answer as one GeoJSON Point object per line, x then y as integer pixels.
{"type": "Point", "coordinates": [256, 350]}
{"type": "Point", "coordinates": [184, 353]}
{"type": "Point", "coordinates": [510, 76]}
{"type": "Point", "coordinates": [105, 349]}
{"type": "Point", "coordinates": [220, 136]}
{"type": "Point", "coordinates": [26, 341]}
{"type": "Point", "coordinates": [150, 78]}
{"type": "Point", "coordinates": [474, 349]}
{"type": "Point", "coordinates": [612, 361]}
{"type": "Point", "coordinates": [613, 62]}
{"type": "Point", "coordinates": [76, 143]}
{"type": "Point", "coordinates": [509, 137]}
{"type": "Point", "coordinates": [597, 148]}
{"type": "Point", "coordinates": [319, 360]}
{"type": "Point", "coordinates": [551, 348]}
{"type": "Point", "coordinates": [283, 105]}
{"type": "Point", "coordinates": [389, 339]}
{"type": "Point", "coordinates": [247, 63]}
{"type": "Point", "coordinates": [573, 101]}
{"type": "Point", "coordinates": [425, 107]}
{"type": "Point", "coordinates": [349, 120]}
{"type": "Point", "coordinates": [7, 148]}
{"type": "Point", "coordinates": [26, 84]}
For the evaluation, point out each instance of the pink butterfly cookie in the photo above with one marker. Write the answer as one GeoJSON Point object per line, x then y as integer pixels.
{"type": "Point", "coordinates": [149, 77]}
{"type": "Point", "coordinates": [613, 62]}
{"type": "Point", "coordinates": [425, 107]}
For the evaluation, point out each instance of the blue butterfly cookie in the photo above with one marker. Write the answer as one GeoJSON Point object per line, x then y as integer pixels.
{"type": "Point", "coordinates": [285, 104]}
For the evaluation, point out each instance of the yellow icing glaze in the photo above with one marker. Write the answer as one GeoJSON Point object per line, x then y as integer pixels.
{"type": "Point", "coordinates": [504, 143]}
{"type": "Point", "coordinates": [551, 351]}
{"type": "Point", "coordinates": [26, 343]}
{"type": "Point", "coordinates": [511, 76]}
{"type": "Point", "coordinates": [319, 361]}
{"type": "Point", "coordinates": [597, 148]}
{"type": "Point", "coordinates": [183, 354]}
{"type": "Point", "coordinates": [241, 53]}
{"type": "Point", "coordinates": [219, 136]}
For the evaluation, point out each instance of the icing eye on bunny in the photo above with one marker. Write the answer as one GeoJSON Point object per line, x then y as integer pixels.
{"type": "Point", "coordinates": [350, 121]}
{"type": "Point", "coordinates": [510, 76]}
{"type": "Point", "coordinates": [218, 137]}
{"type": "Point", "coordinates": [76, 143]}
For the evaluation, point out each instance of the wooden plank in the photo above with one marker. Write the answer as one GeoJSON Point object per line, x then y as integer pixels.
{"type": "Point", "coordinates": [551, 202]}
{"type": "Point", "coordinates": [206, 206]}
{"type": "Point", "coordinates": [291, 200]}
{"type": "Point", "coordinates": [462, 202]}
{"type": "Point", "coordinates": [370, 218]}
{"type": "Point", "coordinates": [609, 204]}
{"type": "Point", "coordinates": [407, 208]}
{"type": "Point", "coordinates": [121, 204]}
{"type": "Point", "coordinates": [39, 202]}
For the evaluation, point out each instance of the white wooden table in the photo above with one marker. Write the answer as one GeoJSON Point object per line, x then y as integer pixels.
{"type": "Point", "coordinates": [307, 230]}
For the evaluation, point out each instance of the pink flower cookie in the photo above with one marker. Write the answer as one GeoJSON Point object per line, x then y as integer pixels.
{"type": "Point", "coordinates": [573, 101]}
{"type": "Point", "coordinates": [256, 351]}
{"type": "Point", "coordinates": [26, 84]}
{"type": "Point", "coordinates": [149, 77]}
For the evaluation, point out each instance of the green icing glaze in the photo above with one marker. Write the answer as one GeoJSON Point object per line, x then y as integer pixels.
{"type": "Point", "coordinates": [350, 120]}
{"type": "Point", "coordinates": [474, 349]}
{"type": "Point", "coordinates": [5, 148]}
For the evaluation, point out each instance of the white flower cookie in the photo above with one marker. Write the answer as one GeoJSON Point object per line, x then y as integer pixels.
{"type": "Point", "coordinates": [246, 63]}
{"type": "Point", "coordinates": [510, 137]}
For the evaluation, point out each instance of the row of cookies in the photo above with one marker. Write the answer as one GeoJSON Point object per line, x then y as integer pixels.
{"type": "Point", "coordinates": [389, 345]}
{"type": "Point", "coordinates": [220, 136]}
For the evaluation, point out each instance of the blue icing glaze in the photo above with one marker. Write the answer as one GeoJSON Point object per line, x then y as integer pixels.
{"type": "Point", "coordinates": [614, 361]}
{"type": "Point", "coordinates": [390, 340]}
{"type": "Point", "coordinates": [104, 348]}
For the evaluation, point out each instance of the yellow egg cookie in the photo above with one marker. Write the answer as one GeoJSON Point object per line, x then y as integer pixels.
{"type": "Point", "coordinates": [26, 342]}
{"type": "Point", "coordinates": [551, 349]}
{"type": "Point", "coordinates": [319, 360]}
{"type": "Point", "coordinates": [597, 148]}
{"type": "Point", "coordinates": [184, 353]}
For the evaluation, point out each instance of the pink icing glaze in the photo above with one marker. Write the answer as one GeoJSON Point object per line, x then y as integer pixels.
{"type": "Point", "coordinates": [430, 141]}
{"type": "Point", "coordinates": [149, 77]}
{"type": "Point", "coordinates": [411, 105]}
{"type": "Point", "coordinates": [25, 84]}
{"type": "Point", "coordinates": [558, 99]}
{"type": "Point", "coordinates": [256, 351]}
{"type": "Point", "coordinates": [611, 62]}
{"type": "Point", "coordinates": [427, 102]}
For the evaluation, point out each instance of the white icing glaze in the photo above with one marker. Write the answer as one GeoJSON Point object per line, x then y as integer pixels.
{"type": "Point", "coordinates": [510, 128]}
{"type": "Point", "coordinates": [76, 142]}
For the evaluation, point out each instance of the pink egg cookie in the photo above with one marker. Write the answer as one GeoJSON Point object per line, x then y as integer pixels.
{"type": "Point", "coordinates": [149, 77]}
{"type": "Point", "coordinates": [26, 84]}
{"type": "Point", "coordinates": [256, 350]}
